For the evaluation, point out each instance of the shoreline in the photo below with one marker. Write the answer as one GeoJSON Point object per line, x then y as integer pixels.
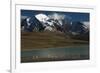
{"type": "Point", "coordinates": [55, 47]}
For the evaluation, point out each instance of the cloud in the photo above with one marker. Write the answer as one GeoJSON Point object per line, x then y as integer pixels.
{"type": "Point", "coordinates": [57, 16]}
{"type": "Point", "coordinates": [61, 18]}
{"type": "Point", "coordinates": [24, 17]}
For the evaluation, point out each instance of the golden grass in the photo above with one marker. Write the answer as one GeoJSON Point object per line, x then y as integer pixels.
{"type": "Point", "coordinates": [33, 40]}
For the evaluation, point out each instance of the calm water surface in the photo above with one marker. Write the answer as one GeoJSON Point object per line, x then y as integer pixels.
{"type": "Point", "coordinates": [56, 54]}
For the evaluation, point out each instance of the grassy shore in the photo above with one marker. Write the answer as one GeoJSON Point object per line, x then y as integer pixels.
{"type": "Point", "coordinates": [33, 40]}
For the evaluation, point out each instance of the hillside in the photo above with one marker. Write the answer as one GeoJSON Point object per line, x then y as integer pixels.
{"type": "Point", "coordinates": [46, 39]}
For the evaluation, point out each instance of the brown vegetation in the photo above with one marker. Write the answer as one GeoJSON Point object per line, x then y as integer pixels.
{"type": "Point", "coordinates": [33, 40]}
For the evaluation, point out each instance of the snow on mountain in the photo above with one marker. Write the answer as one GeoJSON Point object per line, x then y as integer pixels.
{"type": "Point", "coordinates": [54, 22]}
{"type": "Point", "coordinates": [57, 17]}
{"type": "Point", "coordinates": [50, 22]}
{"type": "Point", "coordinates": [42, 17]}
{"type": "Point", "coordinates": [78, 28]}
{"type": "Point", "coordinates": [86, 25]}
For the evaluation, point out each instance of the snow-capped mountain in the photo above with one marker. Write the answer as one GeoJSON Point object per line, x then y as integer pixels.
{"type": "Point", "coordinates": [31, 24]}
{"type": "Point", "coordinates": [54, 22]}
{"type": "Point", "coordinates": [46, 22]}
{"type": "Point", "coordinates": [78, 28]}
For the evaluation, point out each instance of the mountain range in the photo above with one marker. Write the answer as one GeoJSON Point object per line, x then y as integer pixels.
{"type": "Point", "coordinates": [55, 22]}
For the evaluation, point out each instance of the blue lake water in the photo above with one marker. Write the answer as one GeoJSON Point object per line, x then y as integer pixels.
{"type": "Point", "coordinates": [56, 54]}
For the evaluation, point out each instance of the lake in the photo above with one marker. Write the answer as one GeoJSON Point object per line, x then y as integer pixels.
{"type": "Point", "coordinates": [56, 54]}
